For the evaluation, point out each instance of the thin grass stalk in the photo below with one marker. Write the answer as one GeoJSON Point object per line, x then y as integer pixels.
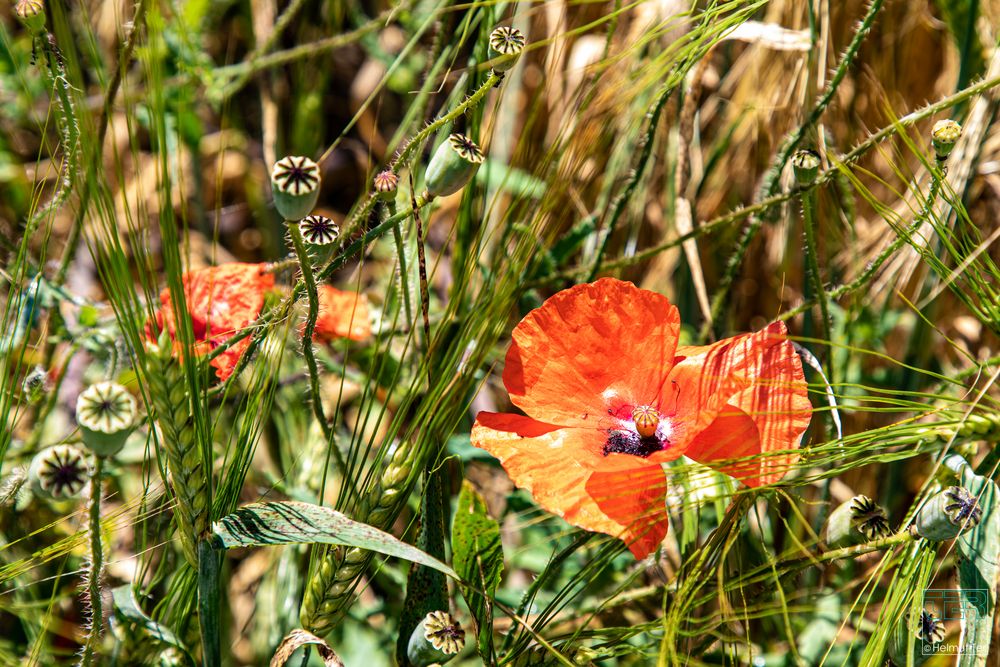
{"type": "Point", "coordinates": [771, 178]}
{"type": "Point", "coordinates": [404, 280]}
{"type": "Point", "coordinates": [812, 261]}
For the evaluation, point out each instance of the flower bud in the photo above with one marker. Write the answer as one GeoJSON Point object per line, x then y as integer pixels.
{"type": "Point", "coordinates": [385, 184]}
{"type": "Point", "coordinates": [106, 414]}
{"type": "Point", "coordinates": [319, 229]}
{"type": "Point", "coordinates": [295, 186]}
{"type": "Point", "coordinates": [436, 640]}
{"type": "Point", "coordinates": [805, 164]}
{"type": "Point", "coordinates": [924, 637]}
{"type": "Point", "coordinates": [506, 43]}
{"type": "Point", "coordinates": [59, 472]}
{"type": "Point", "coordinates": [858, 520]}
{"type": "Point", "coordinates": [31, 13]}
{"type": "Point", "coordinates": [947, 514]}
{"type": "Point", "coordinates": [944, 135]}
{"type": "Point", "coordinates": [453, 164]}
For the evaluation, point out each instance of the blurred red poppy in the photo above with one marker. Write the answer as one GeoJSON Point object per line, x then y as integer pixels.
{"type": "Point", "coordinates": [609, 396]}
{"type": "Point", "coordinates": [342, 315]}
{"type": "Point", "coordinates": [221, 301]}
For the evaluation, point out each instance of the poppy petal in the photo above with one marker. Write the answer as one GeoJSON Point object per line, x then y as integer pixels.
{"type": "Point", "coordinates": [590, 344]}
{"type": "Point", "coordinates": [342, 315]}
{"type": "Point", "coordinates": [742, 397]}
{"type": "Point", "coordinates": [557, 465]}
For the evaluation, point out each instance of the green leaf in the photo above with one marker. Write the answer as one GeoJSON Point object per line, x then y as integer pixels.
{"type": "Point", "coordinates": [478, 557]}
{"type": "Point", "coordinates": [266, 524]}
{"type": "Point", "coordinates": [127, 607]}
{"type": "Point", "coordinates": [977, 569]}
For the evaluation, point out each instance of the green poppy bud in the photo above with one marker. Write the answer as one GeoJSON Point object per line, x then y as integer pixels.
{"type": "Point", "coordinates": [436, 640]}
{"type": "Point", "coordinates": [385, 184]}
{"type": "Point", "coordinates": [106, 414]}
{"type": "Point", "coordinates": [923, 634]}
{"type": "Point", "coordinates": [36, 384]}
{"type": "Point", "coordinates": [944, 135]}
{"type": "Point", "coordinates": [947, 514]}
{"type": "Point", "coordinates": [506, 44]}
{"type": "Point", "coordinates": [319, 230]}
{"type": "Point", "coordinates": [31, 13]}
{"type": "Point", "coordinates": [453, 164]}
{"type": "Point", "coordinates": [295, 185]}
{"type": "Point", "coordinates": [805, 163]}
{"type": "Point", "coordinates": [59, 472]}
{"type": "Point", "coordinates": [858, 520]}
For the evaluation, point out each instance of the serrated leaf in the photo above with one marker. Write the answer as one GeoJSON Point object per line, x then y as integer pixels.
{"type": "Point", "coordinates": [477, 554]}
{"type": "Point", "coordinates": [268, 524]}
{"type": "Point", "coordinates": [127, 607]}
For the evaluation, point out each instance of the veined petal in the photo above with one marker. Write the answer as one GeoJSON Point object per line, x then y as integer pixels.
{"type": "Point", "coordinates": [588, 346]}
{"type": "Point", "coordinates": [342, 315]}
{"type": "Point", "coordinates": [622, 496]}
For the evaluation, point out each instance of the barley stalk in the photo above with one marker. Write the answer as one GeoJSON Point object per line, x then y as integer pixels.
{"type": "Point", "coordinates": [328, 591]}
{"type": "Point", "coordinates": [177, 437]}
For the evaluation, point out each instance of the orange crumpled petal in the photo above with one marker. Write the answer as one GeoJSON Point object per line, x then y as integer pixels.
{"type": "Point", "coordinates": [221, 301]}
{"type": "Point", "coordinates": [581, 362]}
{"type": "Point", "coordinates": [342, 315]}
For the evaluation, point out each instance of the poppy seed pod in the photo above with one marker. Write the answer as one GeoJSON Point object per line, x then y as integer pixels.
{"type": "Point", "coordinates": [384, 184]}
{"type": "Point", "coordinates": [944, 135]}
{"type": "Point", "coordinates": [860, 519]}
{"type": "Point", "coordinates": [805, 163]}
{"type": "Point", "coordinates": [453, 164]}
{"type": "Point", "coordinates": [295, 185]}
{"type": "Point", "coordinates": [437, 639]}
{"type": "Point", "coordinates": [59, 472]}
{"type": "Point", "coordinates": [106, 413]}
{"type": "Point", "coordinates": [31, 13]}
{"type": "Point", "coordinates": [947, 514]}
{"type": "Point", "coordinates": [924, 637]}
{"type": "Point", "coordinates": [506, 43]}
{"type": "Point", "coordinates": [319, 230]}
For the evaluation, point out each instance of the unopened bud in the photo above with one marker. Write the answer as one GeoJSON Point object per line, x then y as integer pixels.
{"type": "Point", "coordinates": [385, 184]}
{"type": "Point", "coordinates": [944, 135]}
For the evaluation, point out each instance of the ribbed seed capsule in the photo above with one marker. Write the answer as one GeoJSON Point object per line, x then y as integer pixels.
{"type": "Point", "coordinates": [177, 437]}
{"type": "Point", "coordinates": [319, 230]}
{"type": "Point", "coordinates": [453, 164]}
{"type": "Point", "coordinates": [506, 43]}
{"type": "Point", "coordinates": [385, 184]}
{"type": "Point", "coordinates": [329, 590]}
{"type": "Point", "coordinates": [295, 184]}
{"type": "Point", "coordinates": [105, 413]}
{"type": "Point", "coordinates": [923, 636]}
{"type": "Point", "coordinates": [857, 520]}
{"type": "Point", "coordinates": [646, 419]}
{"type": "Point", "coordinates": [436, 640]}
{"type": "Point", "coordinates": [948, 514]}
{"type": "Point", "coordinates": [59, 472]}
{"type": "Point", "coordinates": [944, 135]}
{"type": "Point", "coordinates": [31, 13]}
{"type": "Point", "coordinates": [805, 164]}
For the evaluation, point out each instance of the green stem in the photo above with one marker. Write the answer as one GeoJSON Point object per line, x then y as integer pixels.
{"type": "Point", "coordinates": [96, 566]}
{"type": "Point", "coordinates": [209, 612]}
{"type": "Point", "coordinates": [812, 261]}
{"type": "Point", "coordinates": [312, 293]}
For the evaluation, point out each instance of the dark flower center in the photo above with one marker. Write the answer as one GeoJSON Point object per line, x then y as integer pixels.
{"type": "Point", "coordinates": [629, 442]}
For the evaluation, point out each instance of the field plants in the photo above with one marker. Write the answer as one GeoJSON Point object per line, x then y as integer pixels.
{"type": "Point", "coordinates": [506, 333]}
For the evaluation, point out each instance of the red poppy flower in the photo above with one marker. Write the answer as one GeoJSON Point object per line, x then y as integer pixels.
{"type": "Point", "coordinates": [609, 396]}
{"type": "Point", "coordinates": [342, 315]}
{"type": "Point", "coordinates": [221, 300]}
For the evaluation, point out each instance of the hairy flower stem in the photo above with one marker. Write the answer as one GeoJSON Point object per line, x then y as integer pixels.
{"type": "Point", "coordinates": [312, 294]}
{"type": "Point", "coordinates": [328, 591]}
{"type": "Point", "coordinates": [178, 438]}
{"type": "Point", "coordinates": [404, 282]}
{"type": "Point", "coordinates": [937, 178]}
{"type": "Point", "coordinates": [425, 297]}
{"type": "Point", "coordinates": [812, 262]}
{"type": "Point", "coordinates": [95, 567]}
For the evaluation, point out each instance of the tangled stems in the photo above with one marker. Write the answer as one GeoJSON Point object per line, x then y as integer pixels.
{"type": "Point", "coordinates": [812, 261]}
{"type": "Point", "coordinates": [96, 565]}
{"type": "Point", "coordinates": [305, 265]}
